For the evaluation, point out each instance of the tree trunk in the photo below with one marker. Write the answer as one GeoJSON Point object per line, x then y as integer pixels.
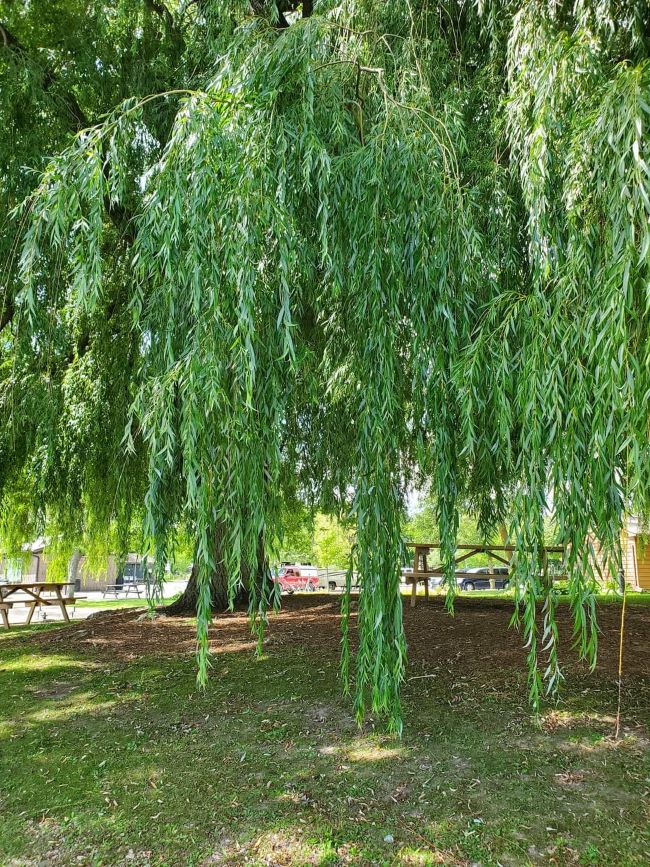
{"type": "Point", "coordinates": [186, 604]}
{"type": "Point", "coordinates": [73, 571]}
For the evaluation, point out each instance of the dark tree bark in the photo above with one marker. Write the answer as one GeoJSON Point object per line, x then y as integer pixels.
{"type": "Point", "coordinates": [186, 604]}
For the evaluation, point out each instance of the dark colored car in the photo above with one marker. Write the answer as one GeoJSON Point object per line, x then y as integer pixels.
{"type": "Point", "coordinates": [479, 579]}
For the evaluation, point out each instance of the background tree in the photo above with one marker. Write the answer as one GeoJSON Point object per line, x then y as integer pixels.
{"type": "Point", "coordinates": [333, 542]}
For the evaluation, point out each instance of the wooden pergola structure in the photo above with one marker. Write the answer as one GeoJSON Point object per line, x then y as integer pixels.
{"type": "Point", "coordinates": [500, 553]}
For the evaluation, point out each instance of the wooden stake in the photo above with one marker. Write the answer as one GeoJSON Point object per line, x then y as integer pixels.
{"type": "Point", "coordinates": [620, 666]}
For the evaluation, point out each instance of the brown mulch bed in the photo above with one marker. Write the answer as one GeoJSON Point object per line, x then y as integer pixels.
{"type": "Point", "coordinates": [476, 638]}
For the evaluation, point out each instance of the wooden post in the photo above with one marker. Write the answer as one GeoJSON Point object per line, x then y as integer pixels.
{"type": "Point", "coordinates": [62, 606]}
{"type": "Point", "coordinates": [546, 578]}
{"type": "Point", "coordinates": [425, 564]}
{"type": "Point", "coordinates": [414, 587]}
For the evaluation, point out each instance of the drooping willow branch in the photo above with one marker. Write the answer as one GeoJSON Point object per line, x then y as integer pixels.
{"type": "Point", "coordinates": [423, 308]}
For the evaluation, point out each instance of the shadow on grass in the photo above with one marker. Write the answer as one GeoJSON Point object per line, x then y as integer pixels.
{"type": "Point", "coordinates": [109, 761]}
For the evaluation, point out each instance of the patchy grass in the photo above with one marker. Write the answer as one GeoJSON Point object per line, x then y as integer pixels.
{"type": "Point", "coordinates": [109, 754]}
{"type": "Point", "coordinates": [612, 597]}
{"type": "Point", "coordinates": [129, 602]}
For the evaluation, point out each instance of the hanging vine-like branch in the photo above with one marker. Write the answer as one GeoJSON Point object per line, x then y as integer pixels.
{"type": "Point", "coordinates": [310, 243]}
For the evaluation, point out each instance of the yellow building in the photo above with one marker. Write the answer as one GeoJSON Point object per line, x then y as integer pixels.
{"type": "Point", "coordinates": [636, 555]}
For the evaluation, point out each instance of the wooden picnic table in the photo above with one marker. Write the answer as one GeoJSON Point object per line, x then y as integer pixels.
{"type": "Point", "coordinates": [35, 597]}
{"type": "Point", "coordinates": [125, 588]}
{"type": "Point", "coordinates": [422, 571]}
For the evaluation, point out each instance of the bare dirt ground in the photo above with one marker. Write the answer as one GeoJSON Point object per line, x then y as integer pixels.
{"type": "Point", "coordinates": [477, 638]}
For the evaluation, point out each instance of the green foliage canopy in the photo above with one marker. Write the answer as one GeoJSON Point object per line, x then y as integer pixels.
{"type": "Point", "coordinates": [392, 241]}
{"type": "Point", "coordinates": [66, 376]}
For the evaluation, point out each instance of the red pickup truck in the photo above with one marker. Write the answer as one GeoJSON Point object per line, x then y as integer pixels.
{"type": "Point", "coordinates": [297, 576]}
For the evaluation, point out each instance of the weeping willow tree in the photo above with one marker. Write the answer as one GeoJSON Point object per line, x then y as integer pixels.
{"type": "Point", "coordinates": [380, 242]}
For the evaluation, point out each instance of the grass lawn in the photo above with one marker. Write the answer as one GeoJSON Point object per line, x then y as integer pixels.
{"type": "Point", "coordinates": [635, 597]}
{"type": "Point", "coordinates": [130, 602]}
{"type": "Point", "coordinates": [109, 755]}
